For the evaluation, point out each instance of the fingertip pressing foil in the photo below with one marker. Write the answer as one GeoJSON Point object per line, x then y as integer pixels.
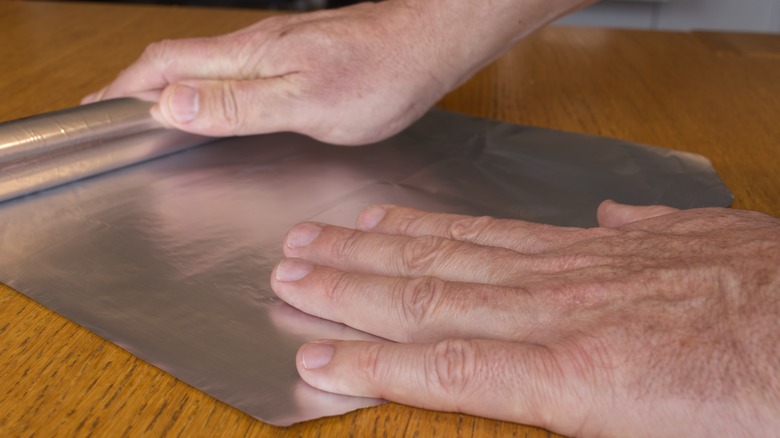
{"type": "Point", "coordinates": [171, 259]}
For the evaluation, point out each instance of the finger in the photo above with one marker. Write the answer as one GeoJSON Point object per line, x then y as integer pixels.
{"type": "Point", "coordinates": [521, 236]}
{"type": "Point", "coordinates": [422, 309]}
{"type": "Point", "coordinates": [404, 256]}
{"type": "Point", "coordinates": [166, 62]}
{"type": "Point", "coordinates": [240, 55]}
{"type": "Point", "coordinates": [229, 107]}
{"type": "Point", "coordinates": [507, 381]}
{"type": "Point", "coordinates": [614, 215]}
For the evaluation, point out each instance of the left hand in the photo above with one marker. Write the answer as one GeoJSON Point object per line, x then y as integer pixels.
{"type": "Point", "coordinates": [655, 323]}
{"type": "Point", "coordinates": [350, 76]}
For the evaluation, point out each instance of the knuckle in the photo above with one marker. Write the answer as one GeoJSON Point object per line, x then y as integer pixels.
{"type": "Point", "coordinates": [471, 228]}
{"type": "Point", "coordinates": [419, 298]}
{"type": "Point", "coordinates": [420, 254]}
{"type": "Point", "coordinates": [453, 368]}
{"type": "Point", "coordinates": [158, 51]}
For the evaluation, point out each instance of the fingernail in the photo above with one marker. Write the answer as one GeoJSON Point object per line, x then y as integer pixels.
{"type": "Point", "coordinates": [184, 103]}
{"type": "Point", "coordinates": [371, 217]}
{"type": "Point", "coordinates": [302, 235]}
{"type": "Point", "coordinates": [292, 270]}
{"type": "Point", "coordinates": [316, 355]}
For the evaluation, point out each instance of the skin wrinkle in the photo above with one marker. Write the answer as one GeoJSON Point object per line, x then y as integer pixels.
{"type": "Point", "coordinates": [454, 370]}
{"type": "Point", "coordinates": [347, 246]}
{"type": "Point", "coordinates": [419, 299]}
{"type": "Point", "coordinates": [250, 52]}
{"type": "Point", "coordinates": [419, 254]}
{"type": "Point", "coordinates": [155, 54]}
{"type": "Point", "coordinates": [340, 289]}
{"type": "Point", "coordinates": [335, 284]}
{"type": "Point", "coordinates": [261, 62]}
{"type": "Point", "coordinates": [505, 262]}
{"type": "Point", "coordinates": [369, 363]}
{"type": "Point", "coordinates": [229, 108]}
{"type": "Point", "coordinates": [402, 222]}
{"type": "Point", "coordinates": [547, 367]}
{"type": "Point", "coordinates": [470, 228]}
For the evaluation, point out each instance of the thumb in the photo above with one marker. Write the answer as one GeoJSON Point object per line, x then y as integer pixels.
{"type": "Point", "coordinates": [614, 215]}
{"type": "Point", "coordinates": [501, 380]}
{"type": "Point", "coordinates": [220, 108]}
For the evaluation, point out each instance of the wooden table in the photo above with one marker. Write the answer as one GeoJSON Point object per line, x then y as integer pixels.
{"type": "Point", "coordinates": [709, 93]}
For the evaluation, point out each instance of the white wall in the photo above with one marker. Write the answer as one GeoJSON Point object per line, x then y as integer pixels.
{"type": "Point", "coordinates": [737, 15]}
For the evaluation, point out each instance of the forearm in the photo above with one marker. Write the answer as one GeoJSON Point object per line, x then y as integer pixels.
{"type": "Point", "coordinates": [464, 35]}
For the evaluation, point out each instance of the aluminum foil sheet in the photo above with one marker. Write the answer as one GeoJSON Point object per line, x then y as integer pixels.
{"type": "Point", "coordinates": [170, 259]}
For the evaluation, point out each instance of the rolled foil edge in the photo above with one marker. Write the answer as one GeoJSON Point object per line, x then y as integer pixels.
{"type": "Point", "coordinates": [52, 149]}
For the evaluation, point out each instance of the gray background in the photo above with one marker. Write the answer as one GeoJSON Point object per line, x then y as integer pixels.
{"type": "Point", "coordinates": [735, 15]}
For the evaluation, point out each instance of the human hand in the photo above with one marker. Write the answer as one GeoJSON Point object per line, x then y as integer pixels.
{"type": "Point", "coordinates": [657, 322]}
{"type": "Point", "coordinates": [349, 76]}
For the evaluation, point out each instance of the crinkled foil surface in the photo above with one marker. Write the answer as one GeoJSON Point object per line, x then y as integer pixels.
{"type": "Point", "coordinates": [170, 259]}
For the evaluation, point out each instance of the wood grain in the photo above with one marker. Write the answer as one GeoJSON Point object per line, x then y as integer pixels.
{"type": "Point", "coordinates": [743, 44]}
{"type": "Point", "coordinates": [669, 89]}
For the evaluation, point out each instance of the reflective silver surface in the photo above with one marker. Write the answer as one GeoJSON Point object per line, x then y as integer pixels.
{"type": "Point", "coordinates": [45, 151]}
{"type": "Point", "coordinates": [170, 259]}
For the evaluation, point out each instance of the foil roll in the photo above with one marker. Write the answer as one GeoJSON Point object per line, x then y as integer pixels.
{"type": "Point", "coordinates": [57, 148]}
